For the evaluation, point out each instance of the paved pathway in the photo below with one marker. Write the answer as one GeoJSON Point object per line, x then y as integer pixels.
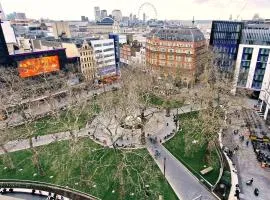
{"type": "Point", "coordinates": [247, 164]}
{"type": "Point", "coordinates": [184, 184]}
{"type": "Point", "coordinates": [18, 145]}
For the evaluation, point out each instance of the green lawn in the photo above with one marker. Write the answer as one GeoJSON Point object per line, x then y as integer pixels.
{"type": "Point", "coordinates": [159, 101]}
{"type": "Point", "coordinates": [87, 167]}
{"type": "Point", "coordinates": [195, 160]}
{"type": "Point", "coordinates": [54, 124]}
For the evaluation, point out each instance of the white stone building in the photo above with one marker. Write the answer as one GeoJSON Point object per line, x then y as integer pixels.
{"type": "Point", "coordinates": [104, 53]}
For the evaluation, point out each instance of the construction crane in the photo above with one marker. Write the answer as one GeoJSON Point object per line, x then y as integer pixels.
{"type": "Point", "coordinates": [245, 5]}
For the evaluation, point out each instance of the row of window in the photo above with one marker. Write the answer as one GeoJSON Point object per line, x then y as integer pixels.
{"type": "Point", "coordinates": [109, 49]}
{"type": "Point", "coordinates": [108, 61]}
{"type": "Point", "coordinates": [228, 27]}
{"type": "Point", "coordinates": [262, 58]}
{"type": "Point", "coordinates": [87, 59]}
{"type": "Point", "coordinates": [248, 50]}
{"type": "Point", "coordinates": [257, 85]}
{"type": "Point", "coordinates": [222, 49]}
{"type": "Point", "coordinates": [86, 65]}
{"type": "Point", "coordinates": [104, 44]}
{"type": "Point", "coordinates": [109, 55]}
{"type": "Point", "coordinates": [226, 36]}
{"type": "Point", "coordinates": [264, 51]}
{"type": "Point", "coordinates": [170, 44]}
{"type": "Point", "coordinates": [172, 64]}
{"type": "Point", "coordinates": [182, 51]}
{"type": "Point", "coordinates": [245, 64]}
{"type": "Point", "coordinates": [224, 42]}
{"type": "Point", "coordinates": [86, 53]}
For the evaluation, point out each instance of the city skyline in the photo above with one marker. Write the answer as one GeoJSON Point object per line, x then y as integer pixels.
{"type": "Point", "coordinates": [181, 10]}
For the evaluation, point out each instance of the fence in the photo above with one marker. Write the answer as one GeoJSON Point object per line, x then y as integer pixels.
{"type": "Point", "coordinates": [60, 190]}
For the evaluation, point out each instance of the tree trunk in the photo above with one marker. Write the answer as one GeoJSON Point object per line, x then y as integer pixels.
{"type": "Point", "coordinates": [168, 112]}
{"type": "Point", "coordinates": [7, 159]}
{"type": "Point", "coordinates": [35, 159]}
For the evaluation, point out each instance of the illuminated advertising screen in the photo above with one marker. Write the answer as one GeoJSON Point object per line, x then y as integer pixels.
{"type": "Point", "coordinates": [35, 66]}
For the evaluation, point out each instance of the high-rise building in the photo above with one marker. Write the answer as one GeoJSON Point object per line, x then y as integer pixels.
{"type": "Point", "coordinates": [116, 40]}
{"type": "Point", "coordinates": [144, 17]}
{"type": "Point", "coordinates": [16, 16]}
{"type": "Point", "coordinates": [104, 53]}
{"type": "Point", "coordinates": [20, 16]}
{"type": "Point", "coordinates": [252, 69]}
{"type": "Point", "coordinates": [2, 14]}
{"type": "Point", "coordinates": [117, 15]}
{"type": "Point", "coordinates": [97, 14]}
{"type": "Point", "coordinates": [104, 14]}
{"type": "Point", "coordinates": [176, 53]}
{"type": "Point", "coordinates": [225, 39]}
{"type": "Point", "coordinates": [134, 18]}
{"type": "Point", "coordinates": [84, 18]}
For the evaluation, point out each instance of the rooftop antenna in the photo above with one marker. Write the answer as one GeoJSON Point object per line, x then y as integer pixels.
{"type": "Point", "coordinates": [193, 21]}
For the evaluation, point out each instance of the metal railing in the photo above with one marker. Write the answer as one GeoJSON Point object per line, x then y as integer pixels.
{"type": "Point", "coordinates": [35, 185]}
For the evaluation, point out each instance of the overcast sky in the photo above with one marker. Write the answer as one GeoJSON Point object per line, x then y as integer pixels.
{"type": "Point", "coordinates": [166, 9]}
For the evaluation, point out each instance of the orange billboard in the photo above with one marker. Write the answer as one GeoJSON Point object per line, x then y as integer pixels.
{"type": "Point", "coordinates": [35, 66]}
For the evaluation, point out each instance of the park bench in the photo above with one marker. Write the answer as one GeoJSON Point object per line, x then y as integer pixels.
{"type": "Point", "coordinates": [206, 170]}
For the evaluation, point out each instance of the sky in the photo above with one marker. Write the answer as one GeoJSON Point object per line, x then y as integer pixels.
{"type": "Point", "coordinates": [166, 9]}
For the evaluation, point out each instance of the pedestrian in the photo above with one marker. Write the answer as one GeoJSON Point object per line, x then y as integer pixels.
{"type": "Point", "coordinates": [167, 124]}
{"type": "Point", "coordinates": [247, 142]}
{"type": "Point", "coordinates": [160, 141]}
{"type": "Point", "coordinates": [36, 137]}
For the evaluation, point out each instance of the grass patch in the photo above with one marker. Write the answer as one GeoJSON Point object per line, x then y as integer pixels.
{"type": "Point", "coordinates": [65, 121]}
{"type": "Point", "coordinates": [155, 100]}
{"type": "Point", "coordinates": [87, 167]}
{"type": "Point", "coordinates": [196, 160]}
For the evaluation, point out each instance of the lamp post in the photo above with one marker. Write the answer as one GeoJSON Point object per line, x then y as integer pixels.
{"type": "Point", "coordinates": [164, 166]}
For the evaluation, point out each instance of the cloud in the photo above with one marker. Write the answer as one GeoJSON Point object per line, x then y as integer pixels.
{"type": "Point", "coordinates": [200, 1]}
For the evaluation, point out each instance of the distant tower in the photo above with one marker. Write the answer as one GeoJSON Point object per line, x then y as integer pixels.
{"type": "Point", "coordinates": [144, 17]}
{"type": "Point", "coordinates": [104, 14]}
{"type": "Point", "coordinates": [230, 17]}
{"type": "Point", "coordinates": [193, 21]}
{"type": "Point", "coordinates": [2, 14]}
{"type": "Point", "coordinates": [97, 14]}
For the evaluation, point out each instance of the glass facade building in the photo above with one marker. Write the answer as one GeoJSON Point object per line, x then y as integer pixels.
{"type": "Point", "coordinates": [225, 39]}
{"type": "Point", "coordinates": [260, 68]}
{"type": "Point", "coordinates": [245, 66]}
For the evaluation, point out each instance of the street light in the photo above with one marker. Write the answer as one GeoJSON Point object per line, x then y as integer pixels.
{"type": "Point", "coordinates": [164, 166]}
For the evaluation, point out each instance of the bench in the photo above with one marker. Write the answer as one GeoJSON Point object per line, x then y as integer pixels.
{"type": "Point", "coordinates": [206, 170]}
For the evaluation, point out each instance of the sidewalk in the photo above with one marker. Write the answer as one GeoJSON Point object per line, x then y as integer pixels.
{"type": "Point", "coordinates": [18, 145]}
{"type": "Point", "coordinates": [246, 163]}
{"type": "Point", "coordinates": [184, 184]}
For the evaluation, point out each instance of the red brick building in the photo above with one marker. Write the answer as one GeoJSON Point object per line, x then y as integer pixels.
{"type": "Point", "coordinates": [176, 53]}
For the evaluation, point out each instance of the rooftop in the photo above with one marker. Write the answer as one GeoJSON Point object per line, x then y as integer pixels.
{"type": "Point", "coordinates": [256, 36]}
{"type": "Point", "coordinates": [185, 34]}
